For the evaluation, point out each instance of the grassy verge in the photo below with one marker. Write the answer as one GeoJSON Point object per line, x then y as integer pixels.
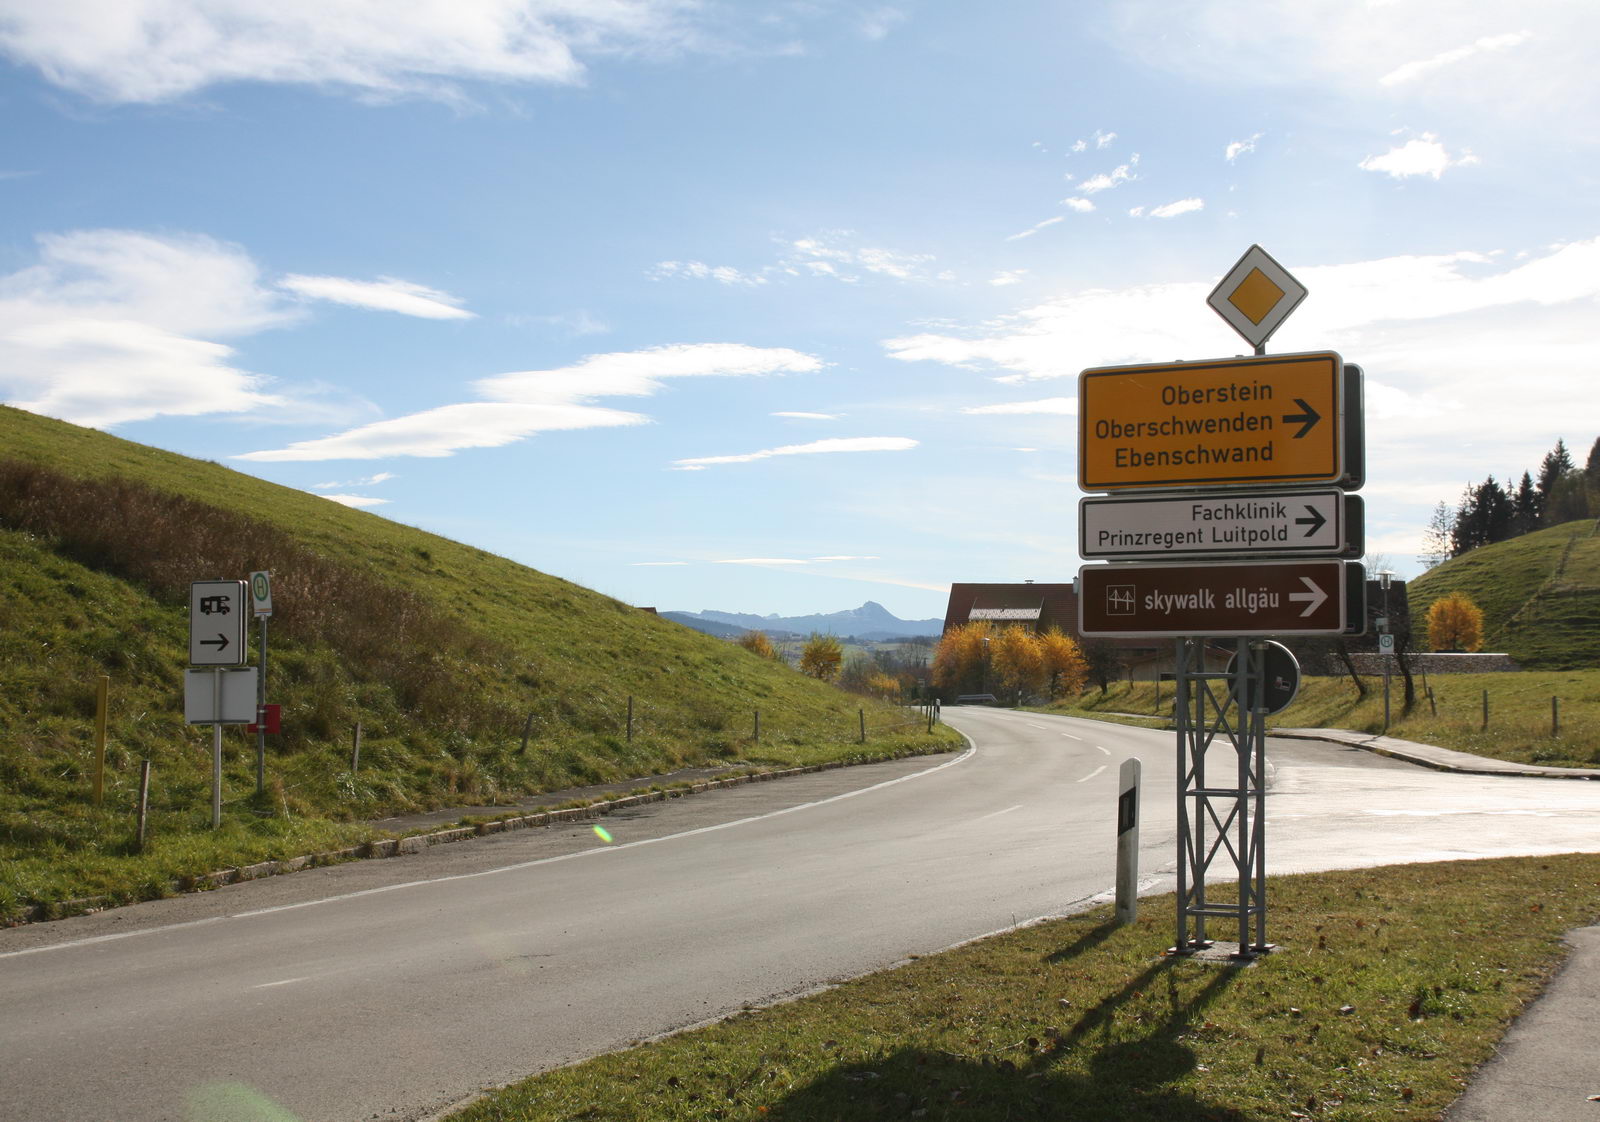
{"type": "Point", "coordinates": [1519, 712]}
{"type": "Point", "coordinates": [1390, 986]}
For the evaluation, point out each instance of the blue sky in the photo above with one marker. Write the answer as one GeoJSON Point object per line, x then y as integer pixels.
{"type": "Point", "coordinates": [780, 306]}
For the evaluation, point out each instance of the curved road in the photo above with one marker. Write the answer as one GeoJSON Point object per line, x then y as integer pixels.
{"type": "Point", "coordinates": [395, 988]}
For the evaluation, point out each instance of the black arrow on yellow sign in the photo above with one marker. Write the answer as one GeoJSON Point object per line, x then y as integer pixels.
{"type": "Point", "coordinates": [1307, 418]}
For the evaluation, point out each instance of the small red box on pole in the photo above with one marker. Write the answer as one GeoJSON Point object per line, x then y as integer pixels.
{"type": "Point", "coordinates": [270, 716]}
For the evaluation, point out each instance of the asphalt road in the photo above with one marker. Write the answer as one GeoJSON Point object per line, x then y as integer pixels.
{"type": "Point", "coordinates": [392, 989]}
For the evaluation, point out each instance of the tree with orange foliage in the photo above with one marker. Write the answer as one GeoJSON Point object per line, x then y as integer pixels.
{"type": "Point", "coordinates": [1017, 659]}
{"type": "Point", "coordinates": [821, 657]}
{"type": "Point", "coordinates": [1066, 670]}
{"type": "Point", "coordinates": [1455, 623]}
{"type": "Point", "coordinates": [959, 659]}
{"type": "Point", "coordinates": [757, 643]}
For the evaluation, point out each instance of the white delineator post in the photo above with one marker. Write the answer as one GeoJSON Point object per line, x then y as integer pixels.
{"type": "Point", "coordinates": [1128, 842]}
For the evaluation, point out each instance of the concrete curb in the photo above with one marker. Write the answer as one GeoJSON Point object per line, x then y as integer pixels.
{"type": "Point", "coordinates": [417, 843]}
{"type": "Point", "coordinates": [1431, 756]}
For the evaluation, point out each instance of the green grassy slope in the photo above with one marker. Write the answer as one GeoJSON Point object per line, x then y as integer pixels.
{"type": "Point", "coordinates": [1540, 595]}
{"type": "Point", "coordinates": [446, 655]}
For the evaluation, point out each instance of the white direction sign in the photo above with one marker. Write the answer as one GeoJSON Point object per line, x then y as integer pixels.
{"type": "Point", "coordinates": [219, 611]}
{"type": "Point", "coordinates": [1323, 523]}
{"type": "Point", "coordinates": [1256, 296]}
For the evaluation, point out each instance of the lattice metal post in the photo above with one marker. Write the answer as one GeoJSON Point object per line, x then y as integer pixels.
{"type": "Point", "coordinates": [1236, 813]}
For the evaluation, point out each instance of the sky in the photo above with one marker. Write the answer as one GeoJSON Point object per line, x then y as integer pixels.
{"type": "Point", "coordinates": [779, 305]}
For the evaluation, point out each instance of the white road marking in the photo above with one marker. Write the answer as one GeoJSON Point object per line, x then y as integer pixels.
{"type": "Point", "coordinates": [996, 813]}
{"type": "Point", "coordinates": [1069, 736]}
{"type": "Point", "coordinates": [1031, 725]}
{"type": "Point", "coordinates": [1107, 751]}
{"type": "Point", "coordinates": [491, 872]}
{"type": "Point", "coordinates": [285, 982]}
{"type": "Point", "coordinates": [1093, 773]}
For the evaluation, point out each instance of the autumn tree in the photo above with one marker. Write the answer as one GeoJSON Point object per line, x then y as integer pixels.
{"type": "Point", "coordinates": [1455, 623]}
{"type": "Point", "coordinates": [821, 656]}
{"type": "Point", "coordinates": [757, 643]}
{"type": "Point", "coordinates": [1017, 658]}
{"type": "Point", "coordinates": [1066, 670]}
{"type": "Point", "coordinates": [959, 659]}
{"type": "Point", "coordinates": [886, 686]}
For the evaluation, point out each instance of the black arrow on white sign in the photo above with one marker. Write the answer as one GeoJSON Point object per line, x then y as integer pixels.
{"type": "Point", "coordinates": [220, 642]}
{"type": "Point", "coordinates": [1316, 521]}
{"type": "Point", "coordinates": [1307, 418]}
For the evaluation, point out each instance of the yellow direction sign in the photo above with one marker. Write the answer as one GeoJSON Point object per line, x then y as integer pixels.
{"type": "Point", "coordinates": [1277, 419]}
{"type": "Point", "coordinates": [1256, 296]}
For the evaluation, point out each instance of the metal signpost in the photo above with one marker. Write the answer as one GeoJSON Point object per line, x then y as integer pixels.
{"type": "Point", "coordinates": [1228, 446]}
{"type": "Point", "coordinates": [261, 606]}
{"type": "Point", "coordinates": [218, 614]}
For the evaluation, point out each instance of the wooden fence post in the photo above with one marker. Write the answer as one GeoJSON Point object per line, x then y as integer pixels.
{"type": "Point", "coordinates": [1486, 709]}
{"type": "Point", "coordinates": [144, 804]}
{"type": "Point", "coordinates": [1555, 716]}
{"type": "Point", "coordinates": [101, 701]}
{"type": "Point", "coordinates": [355, 750]}
{"type": "Point", "coordinates": [863, 715]}
{"type": "Point", "coordinates": [757, 735]}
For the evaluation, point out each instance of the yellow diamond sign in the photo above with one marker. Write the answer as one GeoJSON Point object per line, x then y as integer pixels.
{"type": "Point", "coordinates": [1256, 296]}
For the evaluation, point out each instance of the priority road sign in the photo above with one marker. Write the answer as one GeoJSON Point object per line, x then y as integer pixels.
{"type": "Point", "coordinates": [1238, 598]}
{"type": "Point", "coordinates": [1266, 419]}
{"type": "Point", "coordinates": [1325, 523]}
{"type": "Point", "coordinates": [1256, 296]}
{"type": "Point", "coordinates": [219, 611]}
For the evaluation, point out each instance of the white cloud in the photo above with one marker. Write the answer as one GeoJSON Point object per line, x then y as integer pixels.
{"type": "Point", "coordinates": [521, 404]}
{"type": "Point", "coordinates": [699, 270]}
{"type": "Point", "coordinates": [658, 564]}
{"type": "Point", "coordinates": [368, 481]}
{"type": "Point", "coordinates": [1510, 74]}
{"type": "Point", "coordinates": [355, 500]}
{"type": "Point", "coordinates": [1411, 71]}
{"type": "Point", "coordinates": [386, 294]}
{"type": "Point", "coordinates": [819, 447]}
{"type": "Point", "coordinates": [1103, 139]}
{"type": "Point", "coordinates": [1420, 156]}
{"type": "Point", "coordinates": [1079, 145]}
{"type": "Point", "coordinates": [1239, 147]}
{"type": "Point", "coordinates": [760, 561]}
{"type": "Point", "coordinates": [156, 50]}
{"type": "Point", "coordinates": [1171, 210]}
{"type": "Point", "coordinates": [1034, 229]}
{"type": "Point", "coordinates": [1082, 206]}
{"type": "Point", "coordinates": [808, 416]}
{"type": "Point", "coordinates": [112, 326]}
{"type": "Point", "coordinates": [877, 23]}
{"type": "Point", "coordinates": [836, 255]}
{"type": "Point", "coordinates": [1120, 174]}
{"type": "Point", "coordinates": [1062, 406]}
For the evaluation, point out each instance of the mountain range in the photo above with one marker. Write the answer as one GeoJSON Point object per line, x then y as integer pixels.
{"type": "Point", "coordinates": [870, 621]}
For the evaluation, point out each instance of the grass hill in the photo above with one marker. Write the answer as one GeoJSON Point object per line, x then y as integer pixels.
{"type": "Point", "coordinates": [473, 678]}
{"type": "Point", "coordinates": [1540, 595]}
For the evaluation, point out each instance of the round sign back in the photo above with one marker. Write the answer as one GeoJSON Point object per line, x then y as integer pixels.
{"type": "Point", "coordinates": [1282, 679]}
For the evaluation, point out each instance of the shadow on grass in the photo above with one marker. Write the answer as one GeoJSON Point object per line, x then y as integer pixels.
{"type": "Point", "coordinates": [1127, 1077]}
